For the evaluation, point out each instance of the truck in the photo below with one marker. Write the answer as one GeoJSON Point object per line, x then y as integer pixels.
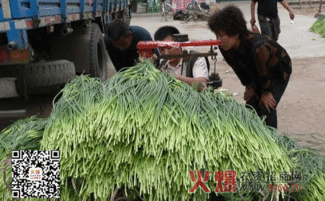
{"type": "Point", "coordinates": [45, 43]}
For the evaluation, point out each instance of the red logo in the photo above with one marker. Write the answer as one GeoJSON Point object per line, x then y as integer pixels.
{"type": "Point", "coordinates": [228, 178]}
{"type": "Point", "coordinates": [35, 174]}
{"type": "Point", "coordinates": [199, 181]}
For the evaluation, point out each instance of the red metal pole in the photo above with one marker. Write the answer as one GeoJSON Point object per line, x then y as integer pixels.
{"type": "Point", "coordinates": [146, 47]}
{"type": "Point", "coordinates": [162, 44]}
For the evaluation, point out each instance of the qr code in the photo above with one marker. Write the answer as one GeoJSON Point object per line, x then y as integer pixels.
{"type": "Point", "coordinates": [36, 174]}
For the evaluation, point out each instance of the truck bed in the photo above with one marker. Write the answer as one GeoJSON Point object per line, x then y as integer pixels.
{"type": "Point", "coordinates": [27, 14]}
{"type": "Point", "coordinates": [18, 18]}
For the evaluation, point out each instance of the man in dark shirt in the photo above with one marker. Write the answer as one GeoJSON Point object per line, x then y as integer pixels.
{"type": "Point", "coordinates": [121, 43]}
{"type": "Point", "coordinates": [261, 64]}
{"type": "Point", "coordinates": [268, 18]}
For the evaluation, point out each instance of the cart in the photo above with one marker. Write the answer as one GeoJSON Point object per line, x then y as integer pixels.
{"type": "Point", "coordinates": [146, 51]}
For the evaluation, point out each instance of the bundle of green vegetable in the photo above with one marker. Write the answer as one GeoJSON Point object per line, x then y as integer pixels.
{"type": "Point", "coordinates": [311, 166]}
{"type": "Point", "coordinates": [24, 134]}
{"type": "Point", "coordinates": [145, 130]}
{"type": "Point", "coordinates": [319, 26]}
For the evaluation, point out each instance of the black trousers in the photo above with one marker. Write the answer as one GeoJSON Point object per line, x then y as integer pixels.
{"type": "Point", "coordinates": [277, 92]}
{"type": "Point", "coordinates": [270, 26]}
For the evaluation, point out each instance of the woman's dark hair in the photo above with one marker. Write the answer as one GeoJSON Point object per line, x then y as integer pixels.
{"type": "Point", "coordinates": [164, 32]}
{"type": "Point", "coordinates": [230, 20]}
{"type": "Point", "coordinates": [116, 29]}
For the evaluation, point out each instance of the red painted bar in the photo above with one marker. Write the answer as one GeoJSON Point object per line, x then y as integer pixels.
{"type": "Point", "coordinates": [157, 44]}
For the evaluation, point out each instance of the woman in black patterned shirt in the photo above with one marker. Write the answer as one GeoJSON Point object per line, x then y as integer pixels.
{"type": "Point", "coordinates": [261, 64]}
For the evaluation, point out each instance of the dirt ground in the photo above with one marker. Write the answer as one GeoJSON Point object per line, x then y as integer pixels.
{"type": "Point", "coordinates": [301, 109]}
{"type": "Point", "coordinates": [307, 10]}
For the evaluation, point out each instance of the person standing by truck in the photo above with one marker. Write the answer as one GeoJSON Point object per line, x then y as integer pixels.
{"type": "Point", "coordinates": [261, 64]}
{"type": "Point", "coordinates": [268, 18]}
{"type": "Point", "coordinates": [121, 43]}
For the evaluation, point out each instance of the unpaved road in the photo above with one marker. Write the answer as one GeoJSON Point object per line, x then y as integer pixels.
{"type": "Point", "coordinates": [301, 109]}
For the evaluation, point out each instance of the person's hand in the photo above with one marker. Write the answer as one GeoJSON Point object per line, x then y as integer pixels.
{"type": "Point", "coordinates": [177, 76]}
{"type": "Point", "coordinates": [249, 93]}
{"type": "Point", "coordinates": [155, 59]}
{"type": "Point", "coordinates": [253, 21]}
{"type": "Point", "coordinates": [292, 14]}
{"type": "Point", "coordinates": [268, 100]}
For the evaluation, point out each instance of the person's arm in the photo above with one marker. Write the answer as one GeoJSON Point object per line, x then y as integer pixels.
{"type": "Point", "coordinates": [113, 54]}
{"type": "Point", "coordinates": [253, 12]}
{"type": "Point", "coordinates": [261, 57]}
{"type": "Point", "coordinates": [200, 73]}
{"type": "Point", "coordinates": [244, 77]}
{"type": "Point", "coordinates": [144, 35]}
{"type": "Point", "coordinates": [190, 80]}
{"type": "Point", "coordinates": [286, 6]}
{"type": "Point", "coordinates": [249, 93]}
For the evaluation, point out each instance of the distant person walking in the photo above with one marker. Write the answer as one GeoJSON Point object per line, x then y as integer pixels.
{"type": "Point", "coordinates": [267, 12]}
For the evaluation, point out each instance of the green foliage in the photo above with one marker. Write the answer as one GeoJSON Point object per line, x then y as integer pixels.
{"type": "Point", "coordinates": [24, 134]}
{"type": "Point", "coordinates": [145, 130]}
{"type": "Point", "coordinates": [319, 26]}
{"type": "Point", "coordinates": [311, 165]}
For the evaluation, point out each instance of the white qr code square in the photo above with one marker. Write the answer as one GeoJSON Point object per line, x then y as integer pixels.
{"type": "Point", "coordinates": [35, 174]}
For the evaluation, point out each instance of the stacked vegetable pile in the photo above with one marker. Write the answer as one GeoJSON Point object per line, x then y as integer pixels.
{"type": "Point", "coordinates": [319, 26]}
{"type": "Point", "coordinates": [24, 134]}
{"type": "Point", "coordinates": [311, 166]}
{"type": "Point", "coordinates": [145, 130]}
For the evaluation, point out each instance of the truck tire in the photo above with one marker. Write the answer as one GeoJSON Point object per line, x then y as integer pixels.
{"type": "Point", "coordinates": [52, 73]}
{"type": "Point", "coordinates": [98, 53]}
{"type": "Point", "coordinates": [32, 76]}
{"type": "Point", "coordinates": [85, 47]}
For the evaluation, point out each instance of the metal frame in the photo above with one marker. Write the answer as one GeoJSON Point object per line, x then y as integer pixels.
{"type": "Point", "coordinates": [146, 47]}
{"type": "Point", "coordinates": [186, 55]}
{"type": "Point", "coordinates": [146, 51]}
